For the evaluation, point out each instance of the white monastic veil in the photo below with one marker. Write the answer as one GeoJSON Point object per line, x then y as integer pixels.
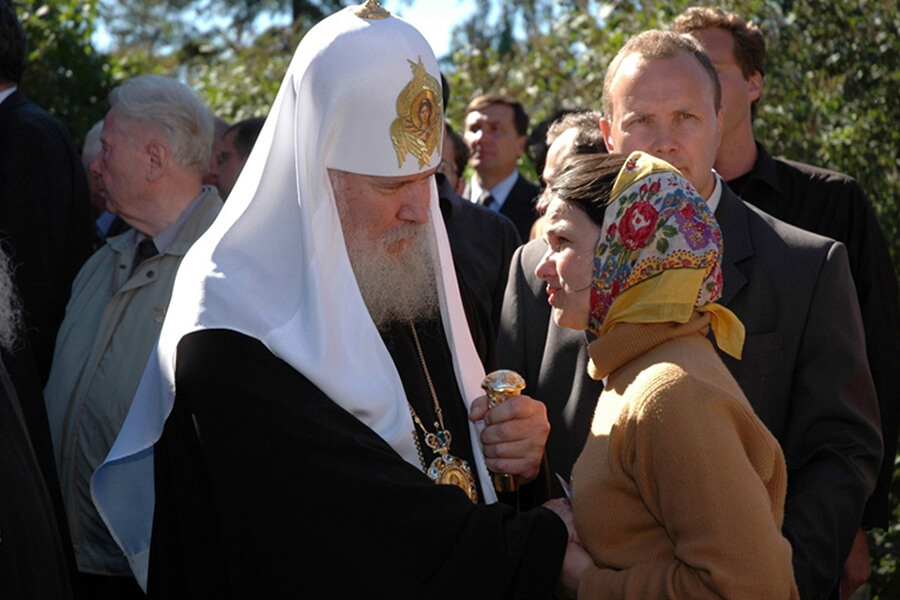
{"type": "Point", "coordinates": [274, 266]}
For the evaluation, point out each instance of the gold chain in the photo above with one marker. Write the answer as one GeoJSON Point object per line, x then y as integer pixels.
{"type": "Point", "coordinates": [437, 405]}
{"type": "Point", "coordinates": [416, 437]}
{"type": "Point", "coordinates": [445, 468]}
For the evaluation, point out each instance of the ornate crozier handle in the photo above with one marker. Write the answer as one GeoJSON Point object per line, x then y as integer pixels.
{"type": "Point", "coordinates": [499, 386]}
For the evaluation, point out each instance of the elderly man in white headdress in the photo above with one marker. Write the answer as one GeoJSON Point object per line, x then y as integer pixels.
{"type": "Point", "coordinates": [316, 375]}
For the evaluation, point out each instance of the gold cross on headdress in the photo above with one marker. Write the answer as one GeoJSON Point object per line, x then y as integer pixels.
{"type": "Point", "coordinates": [372, 9]}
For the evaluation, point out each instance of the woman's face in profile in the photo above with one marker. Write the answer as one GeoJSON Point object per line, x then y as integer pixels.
{"type": "Point", "coordinates": [568, 265]}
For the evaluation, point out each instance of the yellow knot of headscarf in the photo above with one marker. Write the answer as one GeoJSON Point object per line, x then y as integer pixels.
{"type": "Point", "coordinates": [658, 258]}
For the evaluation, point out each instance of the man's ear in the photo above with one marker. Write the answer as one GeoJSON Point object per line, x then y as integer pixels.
{"type": "Point", "coordinates": [720, 125]}
{"type": "Point", "coordinates": [754, 86]}
{"type": "Point", "coordinates": [605, 129]}
{"type": "Point", "coordinates": [523, 141]}
{"type": "Point", "coordinates": [158, 154]}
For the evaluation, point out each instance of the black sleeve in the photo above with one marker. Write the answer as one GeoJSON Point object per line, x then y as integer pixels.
{"type": "Point", "coordinates": [266, 488]}
{"type": "Point", "coordinates": [879, 304]}
{"type": "Point", "coordinates": [34, 563]}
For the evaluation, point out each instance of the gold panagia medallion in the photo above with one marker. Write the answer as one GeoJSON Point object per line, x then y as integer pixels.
{"type": "Point", "coordinates": [420, 110]}
{"type": "Point", "coordinates": [447, 469]}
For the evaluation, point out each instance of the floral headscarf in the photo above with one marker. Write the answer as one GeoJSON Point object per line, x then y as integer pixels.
{"type": "Point", "coordinates": [658, 258]}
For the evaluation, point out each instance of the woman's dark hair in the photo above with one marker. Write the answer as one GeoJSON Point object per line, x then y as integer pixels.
{"type": "Point", "coordinates": [586, 181]}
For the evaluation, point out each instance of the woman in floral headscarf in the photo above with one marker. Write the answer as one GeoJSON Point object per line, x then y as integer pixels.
{"type": "Point", "coordinates": [679, 491]}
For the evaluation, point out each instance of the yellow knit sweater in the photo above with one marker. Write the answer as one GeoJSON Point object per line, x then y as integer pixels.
{"type": "Point", "coordinates": [679, 491]}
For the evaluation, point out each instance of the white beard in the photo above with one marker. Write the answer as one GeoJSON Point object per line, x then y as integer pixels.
{"type": "Point", "coordinates": [397, 286]}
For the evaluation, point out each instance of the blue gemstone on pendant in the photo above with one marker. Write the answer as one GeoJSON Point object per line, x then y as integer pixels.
{"type": "Point", "coordinates": [444, 437]}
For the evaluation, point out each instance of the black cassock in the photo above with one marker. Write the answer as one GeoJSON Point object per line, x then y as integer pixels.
{"type": "Point", "coordinates": [267, 489]}
{"type": "Point", "coordinates": [32, 558]}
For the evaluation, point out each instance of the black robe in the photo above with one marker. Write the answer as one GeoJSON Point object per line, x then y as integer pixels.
{"type": "Point", "coordinates": [265, 488]}
{"type": "Point", "coordinates": [33, 560]}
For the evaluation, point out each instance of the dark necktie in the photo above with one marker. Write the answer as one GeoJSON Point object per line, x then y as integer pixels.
{"type": "Point", "coordinates": [145, 249]}
{"type": "Point", "coordinates": [485, 199]}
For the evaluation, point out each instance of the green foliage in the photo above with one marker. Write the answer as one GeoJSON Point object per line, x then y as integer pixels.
{"type": "Point", "coordinates": [215, 46]}
{"type": "Point", "coordinates": [65, 75]}
{"type": "Point", "coordinates": [833, 98]}
{"type": "Point", "coordinates": [884, 547]}
{"type": "Point", "coordinates": [243, 82]}
{"type": "Point", "coordinates": [145, 26]}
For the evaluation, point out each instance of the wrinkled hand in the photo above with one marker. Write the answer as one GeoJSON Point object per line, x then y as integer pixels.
{"type": "Point", "coordinates": [857, 568]}
{"type": "Point", "coordinates": [514, 435]}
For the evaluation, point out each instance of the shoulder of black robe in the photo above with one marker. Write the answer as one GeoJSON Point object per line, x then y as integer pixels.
{"type": "Point", "coordinates": [267, 489]}
{"type": "Point", "coordinates": [22, 371]}
{"type": "Point", "coordinates": [33, 560]}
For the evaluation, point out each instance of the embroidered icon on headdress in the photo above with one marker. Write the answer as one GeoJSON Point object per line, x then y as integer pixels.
{"type": "Point", "coordinates": [417, 128]}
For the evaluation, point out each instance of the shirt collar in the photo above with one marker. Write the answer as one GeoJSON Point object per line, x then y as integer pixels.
{"type": "Point", "coordinates": [500, 192]}
{"type": "Point", "coordinates": [713, 201]}
{"type": "Point", "coordinates": [764, 168]}
{"type": "Point", "coordinates": [7, 93]}
{"type": "Point", "coordinates": [165, 238]}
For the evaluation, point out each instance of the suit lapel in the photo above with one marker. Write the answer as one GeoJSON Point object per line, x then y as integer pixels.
{"type": "Point", "coordinates": [467, 193]}
{"type": "Point", "coordinates": [738, 245]}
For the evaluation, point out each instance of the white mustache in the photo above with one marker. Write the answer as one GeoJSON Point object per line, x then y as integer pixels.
{"type": "Point", "coordinates": [403, 232]}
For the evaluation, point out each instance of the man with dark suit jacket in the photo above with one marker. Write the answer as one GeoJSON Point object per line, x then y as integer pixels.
{"type": "Point", "coordinates": [817, 200]}
{"type": "Point", "coordinates": [803, 368]}
{"type": "Point", "coordinates": [45, 212]}
{"type": "Point", "coordinates": [45, 230]}
{"type": "Point", "coordinates": [496, 130]}
{"type": "Point", "coordinates": [482, 241]}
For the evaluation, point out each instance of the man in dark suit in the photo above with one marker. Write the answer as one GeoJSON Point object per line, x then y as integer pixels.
{"type": "Point", "coordinates": [45, 211]}
{"type": "Point", "coordinates": [482, 241]}
{"type": "Point", "coordinates": [234, 150]}
{"type": "Point", "coordinates": [46, 232]}
{"type": "Point", "coordinates": [803, 368]}
{"type": "Point", "coordinates": [818, 200]}
{"type": "Point", "coordinates": [496, 130]}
